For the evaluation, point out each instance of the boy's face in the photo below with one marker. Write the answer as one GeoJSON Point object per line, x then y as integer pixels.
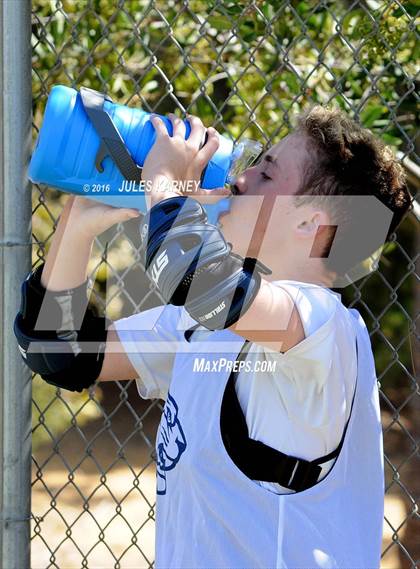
{"type": "Point", "coordinates": [263, 218]}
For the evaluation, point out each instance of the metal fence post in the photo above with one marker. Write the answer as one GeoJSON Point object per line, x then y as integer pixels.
{"type": "Point", "coordinates": [15, 254]}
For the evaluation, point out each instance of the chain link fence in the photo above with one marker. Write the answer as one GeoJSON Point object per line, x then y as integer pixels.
{"type": "Point", "coordinates": [245, 68]}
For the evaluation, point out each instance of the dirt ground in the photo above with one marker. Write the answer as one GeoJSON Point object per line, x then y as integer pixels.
{"type": "Point", "coordinates": [109, 519]}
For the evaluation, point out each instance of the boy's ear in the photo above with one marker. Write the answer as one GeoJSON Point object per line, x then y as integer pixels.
{"type": "Point", "coordinates": [309, 226]}
{"type": "Point", "coordinates": [318, 230]}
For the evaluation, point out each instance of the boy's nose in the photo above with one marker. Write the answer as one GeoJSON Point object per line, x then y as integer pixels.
{"type": "Point", "coordinates": [240, 184]}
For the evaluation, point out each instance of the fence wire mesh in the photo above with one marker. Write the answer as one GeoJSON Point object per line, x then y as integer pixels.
{"type": "Point", "coordinates": [246, 68]}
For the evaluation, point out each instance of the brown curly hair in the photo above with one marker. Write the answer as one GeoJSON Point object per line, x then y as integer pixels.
{"type": "Point", "coordinates": [346, 159]}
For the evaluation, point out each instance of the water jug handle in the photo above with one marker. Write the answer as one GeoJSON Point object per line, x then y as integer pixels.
{"type": "Point", "coordinates": [112, 143]}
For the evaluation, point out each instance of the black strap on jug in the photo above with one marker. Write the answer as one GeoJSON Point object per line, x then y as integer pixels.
{"type": "Point", "coordinates": [112, 143]}
{"type": "Point", "coordinates": [259, 461]}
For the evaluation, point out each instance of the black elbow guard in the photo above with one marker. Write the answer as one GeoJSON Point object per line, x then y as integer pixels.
{"type": "Point", "coordinates": [60, 336]}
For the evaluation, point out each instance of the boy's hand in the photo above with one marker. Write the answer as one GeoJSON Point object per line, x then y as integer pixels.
{"type": "Point", "coordinates": [80, 222]}
{"type": "Point", "coordinates": [90, 218]}
{"type": "Point", "coordinates": [174, 159]}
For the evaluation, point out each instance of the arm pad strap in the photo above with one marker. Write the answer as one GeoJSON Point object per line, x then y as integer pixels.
{"type": "Point", "coordinates": [60, 336]}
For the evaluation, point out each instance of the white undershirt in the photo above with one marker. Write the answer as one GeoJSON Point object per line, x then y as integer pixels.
{"type": "Point", "coordinates": [301, 407]}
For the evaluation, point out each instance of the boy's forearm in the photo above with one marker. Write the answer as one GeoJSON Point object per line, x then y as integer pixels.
{"type": "Point", "coordinates": [68, 257]}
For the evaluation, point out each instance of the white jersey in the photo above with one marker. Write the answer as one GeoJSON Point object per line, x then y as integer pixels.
{"type": "Point", "coordinates": [209, 514]}
{"type": "Point", "coordinates": [297, 402]}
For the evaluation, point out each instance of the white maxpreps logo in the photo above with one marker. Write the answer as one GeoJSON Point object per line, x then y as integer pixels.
{"type": "Point", "coordinates": [159, 265]}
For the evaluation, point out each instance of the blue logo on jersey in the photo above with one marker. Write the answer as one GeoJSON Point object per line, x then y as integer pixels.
{"type": "Point", "coordinates": [170, 444]}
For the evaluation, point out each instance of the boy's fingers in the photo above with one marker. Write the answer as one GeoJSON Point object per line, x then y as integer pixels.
{"type": "Point", "coordinates": [117, 214]}
{"type": "Point", "coordinates": [178, 126]}
{"type": "Point", "coordinates": [159, 126]}
{"type": "Point", "coordinates": [131, 213]}
{"type": "Point", "coordinates": [210, 147]}
{"type": "Point", "coordinates": [218, 192]}
{"type": "Point", "coordinates": [212, 196]}
{"type": "Point", "coordinates": [198, 130]}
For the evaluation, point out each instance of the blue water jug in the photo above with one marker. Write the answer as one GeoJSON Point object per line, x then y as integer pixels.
{"type": "Point", "coordinates": [90, 146]}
